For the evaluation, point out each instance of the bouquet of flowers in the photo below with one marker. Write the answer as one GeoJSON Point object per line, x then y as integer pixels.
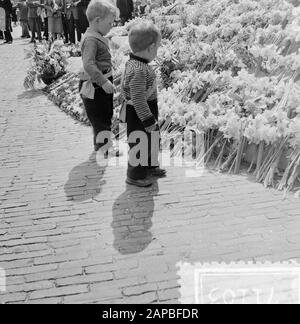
{"type": "Point", "coordinates": [74, 50]}
{"type": "Point", "coordinates": [47, 63]}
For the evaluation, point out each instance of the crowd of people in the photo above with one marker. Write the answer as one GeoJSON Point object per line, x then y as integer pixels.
{"type": "Point", "coordinates": [58, 19]}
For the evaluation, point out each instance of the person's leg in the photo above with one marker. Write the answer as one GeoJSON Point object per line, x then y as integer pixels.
{"type": "Point", "coordinates": [7, 33]}
{"type": "Point", "coordinates": [92, 112]}
{"type": "Point", "coordinates": [85, 23]}
{"type": "Point", "coordinates": [27, 34]}
{"type": "Point", "coordinates": [32, 28]}
{"type": "Point", "coordinates": [154, 146]}
{"type": "Point", "coordinates": [134, 172]}
{"type": "Point", "coordinates": [22, 23]}
{"type": "Point", "coordinates": [38, 28]}
{"type": "Point", "coordinates": [65, 28]}
{"type": "Point", "coordinates": [1, 34]}
{"type": "Point", "coordinates": [76, 25]}
{"type": "Point", "coordinates": [46, 32]}
{"type": "Point", "coordinates": [50, 29]}
{"type": "Point", "coordinates": [103, 114]}
{"type": "Point", "coordinates": [94, 116]}
{"type": "Point", "coordinates": [71, 30]}
{"type": "Point", "coordinates": [8, 37]}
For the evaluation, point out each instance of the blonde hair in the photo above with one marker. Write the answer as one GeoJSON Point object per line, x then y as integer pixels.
{"type": "Point", "coordinates": [101, 9]}
{"type": "Point", "coordinates": [142, 35]}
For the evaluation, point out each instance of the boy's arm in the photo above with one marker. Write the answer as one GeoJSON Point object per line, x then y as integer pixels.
{"type": "Point", "coordinates": [139, 100]}
{"type": "Point", "coordinates": [89, 62]}
{"type": "Point", "coordinates": [32, 4]}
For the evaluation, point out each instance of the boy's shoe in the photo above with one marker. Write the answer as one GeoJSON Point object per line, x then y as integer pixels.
{"type": "Point", "coordinates": [157, 172]}
{"type": "Point", "coordinates": [143, 183]}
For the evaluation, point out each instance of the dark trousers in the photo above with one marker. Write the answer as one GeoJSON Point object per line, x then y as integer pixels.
{"type": "Point", "coordinates": [25, 30]}
{"type": "Point", "coordinates": [65, 27]}
{"type": "Point", "coordinates": [72, 24]}
{"type": "Point", "coordinates": [35, 27]}
{"type": "Point", "coordinates": [7, 33]}
{"type": "Point", "coordinates": [99, 111]}
{"type": "Point", "coordinates": [46, 32]}
{"type": "Point", "coordinates": [8, 36]}
{"type": "Point", "coordinates": [134, 124]}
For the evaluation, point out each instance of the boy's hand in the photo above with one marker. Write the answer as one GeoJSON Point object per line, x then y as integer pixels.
{"type": "Point", "coordinates": [108, 87]}
{"type": "Point", "coordinates": [152, 128]}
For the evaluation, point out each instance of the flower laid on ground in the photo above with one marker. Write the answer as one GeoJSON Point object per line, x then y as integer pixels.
{"type": "Point", "coordinates": [73, 50]}
{"type": "Point", "coordinates": [47, 62]}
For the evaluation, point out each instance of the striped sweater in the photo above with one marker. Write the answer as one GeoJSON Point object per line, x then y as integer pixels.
{"type": "Point", "coordinates": [138, 79]}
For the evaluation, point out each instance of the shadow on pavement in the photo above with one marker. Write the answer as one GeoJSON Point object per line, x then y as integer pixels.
{"type": "Point", "coordinates": [85, 180]}
{"type": "Point", "coordinates": [132, 219]}
{"type": "Point", "coordinates": [30, 94]}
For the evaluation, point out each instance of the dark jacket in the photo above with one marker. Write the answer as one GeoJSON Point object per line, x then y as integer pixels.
{"type": "Point", "coordinates": [7, 6]}
{"type": "Point", "coordinates": [23, 11]}
{"type": "Point", "coordinates": [32, 8]}
{"type": "Point", "coordinates": [126, 8]}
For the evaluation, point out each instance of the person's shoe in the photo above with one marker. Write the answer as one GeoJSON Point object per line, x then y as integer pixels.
{"type": "Point", "coordinates": [142, 183]}
{"type": "Point", "coordinates": [157, 172]}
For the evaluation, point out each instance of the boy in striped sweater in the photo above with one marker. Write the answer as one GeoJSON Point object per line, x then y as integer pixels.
{"type": "Point", "coordinates": [140, 93]}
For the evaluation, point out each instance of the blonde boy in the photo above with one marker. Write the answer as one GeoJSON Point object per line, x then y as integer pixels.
{"type": "Point", "coordinates": [96, 85]}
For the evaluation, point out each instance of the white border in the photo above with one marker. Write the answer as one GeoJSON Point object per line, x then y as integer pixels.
{"type": "Point", "coordinates": [290, 271]}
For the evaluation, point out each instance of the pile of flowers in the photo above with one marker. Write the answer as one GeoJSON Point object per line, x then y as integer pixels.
{"type": "Point", "coordinates": [47, 62]}
{"type": "Point", "coordinates": [230, 70]}
{"type": "Point", "coordinates": [64, 93]}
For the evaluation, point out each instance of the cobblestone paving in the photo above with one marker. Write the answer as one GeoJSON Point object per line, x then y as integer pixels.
{"type": "Point", "coordinates": [71, 231]}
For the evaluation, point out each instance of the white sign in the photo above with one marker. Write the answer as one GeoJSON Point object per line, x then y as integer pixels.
{"type": "Point", "coordinates": [240, 283]}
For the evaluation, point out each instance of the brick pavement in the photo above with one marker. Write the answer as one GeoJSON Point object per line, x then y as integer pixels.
{"type": "Point", "coordinates": [71, 231]}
